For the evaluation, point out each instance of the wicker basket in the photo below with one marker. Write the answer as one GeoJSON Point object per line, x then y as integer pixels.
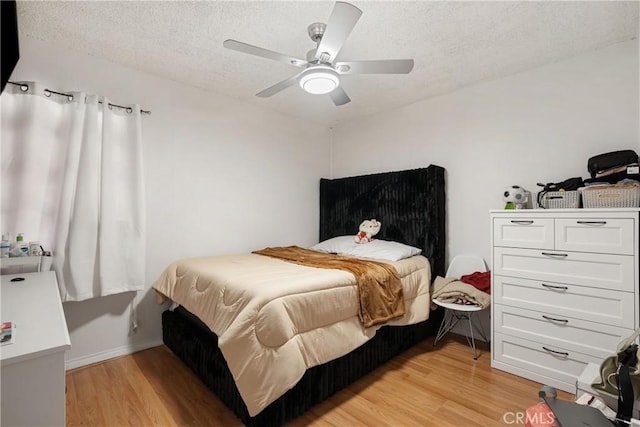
{"type": "Point", "coordinates": [612, 196]}
{"type": "Point", "coordinates": [559, 199]}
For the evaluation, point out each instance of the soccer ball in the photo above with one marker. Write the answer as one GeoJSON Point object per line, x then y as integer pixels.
{"type": "Point", "coordinates": [515, 197]}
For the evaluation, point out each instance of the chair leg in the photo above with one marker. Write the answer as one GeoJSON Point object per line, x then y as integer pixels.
{"type": "Point", "coordinates": [482, 333]}
{"type": "Point", "coordinates": [449, 321]}
{"type": "Point", "coordinates": [471, 341]}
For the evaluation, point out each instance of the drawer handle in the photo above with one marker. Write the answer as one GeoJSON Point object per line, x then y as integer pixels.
{"type": "Point", "coordinates": [522, 221]}
{"type": "Point", "coordinates": [553, 319]}
{"type": "Point", "coordinates": [558, 255]}
{"type": "Point", "coordinates": [593, 222]}
{"type": "Point", "coordinates": [563, 288]}
{"type": "Point", "coordinates": [561, 353]}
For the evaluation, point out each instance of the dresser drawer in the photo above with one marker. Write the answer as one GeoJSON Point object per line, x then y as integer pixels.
{"type": "Point", "coordinates": [605, 235]}
{"type": "Point", "coordinates": [563, 366]}
{"type": "Point", "coordinates": [605, 306]}
{"type": "Point", "coordinates": [578, 335]}
{"type": "Point", "coordinates": [605, 271]}
{"type": "Point", "coordinates": [523, 232]}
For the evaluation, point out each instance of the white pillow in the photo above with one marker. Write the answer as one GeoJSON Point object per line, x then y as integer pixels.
{"type": "Point", "coordinates": [378, 249]}
{"type": "Point", "coordinates": [385, 250]}
{"type": "Point", "coordinates": [337, 245]}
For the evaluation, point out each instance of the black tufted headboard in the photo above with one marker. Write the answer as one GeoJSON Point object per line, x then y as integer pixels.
{"type": "Point", "coordinates": [410, 204]}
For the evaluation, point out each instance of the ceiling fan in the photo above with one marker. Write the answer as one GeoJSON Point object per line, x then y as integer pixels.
{"type": "Point", "coordinates": [321, 72]}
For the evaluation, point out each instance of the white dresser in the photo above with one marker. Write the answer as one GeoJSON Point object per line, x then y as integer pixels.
{"type": "Point", "coordinates": [564, 289]}
{"type": "Point", "coordinates": [33, 370]}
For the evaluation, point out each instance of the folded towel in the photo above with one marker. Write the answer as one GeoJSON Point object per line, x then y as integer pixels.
{"type": "Point", "coordinates": [449, 289]}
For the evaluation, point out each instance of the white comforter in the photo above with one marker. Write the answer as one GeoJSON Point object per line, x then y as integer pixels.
{"type": "Point", "coordinates": [275, 319]}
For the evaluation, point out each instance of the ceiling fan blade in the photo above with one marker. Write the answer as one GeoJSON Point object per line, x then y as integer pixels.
{"type": "Point", "coordinates": [278, 87]}
{"type": "Point", "coordinates": [383, 66]}
{"type": "Point", "coordinates": [340, 24]}
{"type": "Point", "coordinates": [339, 96]}
{"type": "Point", "coordinates": [265, 53]}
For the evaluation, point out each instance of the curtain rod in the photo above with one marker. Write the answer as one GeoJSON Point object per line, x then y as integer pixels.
{"type": "Point", "coordinates": [25, 87]}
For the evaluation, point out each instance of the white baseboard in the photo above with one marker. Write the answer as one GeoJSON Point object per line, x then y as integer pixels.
{"type": "Point", "coordinates": [110, 354]}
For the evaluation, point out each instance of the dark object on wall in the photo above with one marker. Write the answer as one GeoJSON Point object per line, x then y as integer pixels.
{"type": "Point", "coordinates": [9, 36]}
{"type": "Point", "coordinates": [608, 161]}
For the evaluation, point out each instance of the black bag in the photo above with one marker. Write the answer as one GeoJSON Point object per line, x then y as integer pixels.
{"type": "Point", "coordinates": [620, 376]}
{"type": "Point", "coordinates": [627, 372]}
{"type": "Point", "coordinates": [570, 184]}
{"type": "Point", "coordinates": [606, 161]}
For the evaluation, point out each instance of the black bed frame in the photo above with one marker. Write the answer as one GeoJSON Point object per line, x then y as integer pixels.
{"type": "Point", "coordinates": [411, 206]}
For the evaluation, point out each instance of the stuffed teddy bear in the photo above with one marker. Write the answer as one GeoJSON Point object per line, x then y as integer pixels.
{"type": "Point", "coordinates": [368, 229]}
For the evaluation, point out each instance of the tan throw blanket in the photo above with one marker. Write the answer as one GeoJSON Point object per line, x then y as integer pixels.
{"type": "Point", "coordinates": [379, 287]}
{"type": "Point", "coordinates": [448, 290]}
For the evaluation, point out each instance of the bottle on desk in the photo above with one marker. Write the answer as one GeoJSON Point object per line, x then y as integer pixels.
{"type": "Point", "coordinates": [20, 248]}
{"type": "Point", "coordinates": [5, 247]}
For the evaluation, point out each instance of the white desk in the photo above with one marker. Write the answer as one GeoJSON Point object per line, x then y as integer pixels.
{"type": "Point", "coordinates": [33, 370]}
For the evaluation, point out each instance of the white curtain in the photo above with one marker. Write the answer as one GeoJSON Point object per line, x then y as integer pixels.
{"type": "Point", "coordinates": [72, 179]}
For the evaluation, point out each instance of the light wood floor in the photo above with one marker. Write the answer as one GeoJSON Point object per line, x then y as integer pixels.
{"type": "Point", "coordinates": [421, 387]}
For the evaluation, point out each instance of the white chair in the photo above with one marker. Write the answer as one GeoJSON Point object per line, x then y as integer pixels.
{"type": "Point", "coordinates": [453, 313]}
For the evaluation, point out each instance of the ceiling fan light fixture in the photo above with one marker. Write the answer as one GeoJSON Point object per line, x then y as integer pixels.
{"type": "Point", "coordinates": [319, 81]}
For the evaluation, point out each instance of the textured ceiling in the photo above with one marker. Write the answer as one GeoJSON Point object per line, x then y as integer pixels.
{"type": "Point", "coordinates": [454, 44]}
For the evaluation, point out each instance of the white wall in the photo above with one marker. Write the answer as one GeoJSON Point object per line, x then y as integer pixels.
{"type": "Point", "coordinates": [537, 126]}
{"type": "Point", "coordinates": [221, 177]}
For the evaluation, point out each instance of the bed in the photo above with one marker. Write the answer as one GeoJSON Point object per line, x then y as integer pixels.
{"type": "Point", "coordinates": [410, 205]}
